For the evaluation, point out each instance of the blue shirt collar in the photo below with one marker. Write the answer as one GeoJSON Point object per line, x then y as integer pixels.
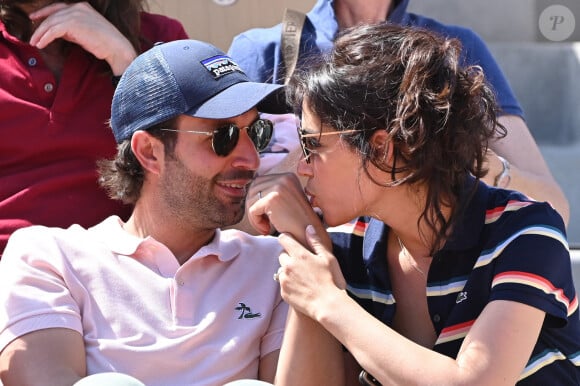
{"type": "Point", "coordinates": [324, 20]}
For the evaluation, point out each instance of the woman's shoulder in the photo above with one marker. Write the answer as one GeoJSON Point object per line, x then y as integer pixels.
{"type": "Point", "coordinates": [508, 205]}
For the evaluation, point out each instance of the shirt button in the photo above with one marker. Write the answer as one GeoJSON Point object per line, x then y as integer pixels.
{"type": "Point", "coordinates": [48, 87]}
{"type": "Point", "coordinates": [32, 62]}
{"type": "Point", "coordinates": [436, 318]}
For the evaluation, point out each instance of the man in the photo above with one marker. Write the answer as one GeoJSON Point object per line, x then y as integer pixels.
{"type": "Point", "coordinates": [166, 297]}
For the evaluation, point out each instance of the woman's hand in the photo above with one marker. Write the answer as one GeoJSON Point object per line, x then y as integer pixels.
{"type": "Point", "coordinates": [309, 281]}
{"type": "Point", "coordinates": [81, 24]}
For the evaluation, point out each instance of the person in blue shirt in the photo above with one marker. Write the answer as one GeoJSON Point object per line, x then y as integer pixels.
{"type": "Point", "coordinates": [514, 161]}
{"type": "Point", "coordinates": [442, 279]}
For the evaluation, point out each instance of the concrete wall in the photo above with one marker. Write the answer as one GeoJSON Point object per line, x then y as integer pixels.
{"type": "Point", "coordinates": [544, 74]}
{"type": "Point", "coordinates": [500, 20]}
{"type": "Point", "coordinates": [575, 257]}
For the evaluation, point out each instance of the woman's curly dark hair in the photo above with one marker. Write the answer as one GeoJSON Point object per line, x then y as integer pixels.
{"type": "Point", "coordinates": [123, 14]}
{"type": "Point", "coordinates": [122, 177]}
{"type": "Point", "coordinates": [409, 82]}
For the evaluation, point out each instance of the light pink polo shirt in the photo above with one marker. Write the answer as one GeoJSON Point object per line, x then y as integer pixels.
{"type": "Point", "coordinates": [206, 322]}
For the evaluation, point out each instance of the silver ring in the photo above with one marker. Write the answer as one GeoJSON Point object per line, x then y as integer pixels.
{"type": "Point", "coordinates": [276, 277]}
{"type": "Point", "coordinates": [259, 194]}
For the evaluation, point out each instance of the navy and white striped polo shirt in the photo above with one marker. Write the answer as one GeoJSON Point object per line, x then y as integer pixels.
{"type": "Point", "coordinates": [507, 247]}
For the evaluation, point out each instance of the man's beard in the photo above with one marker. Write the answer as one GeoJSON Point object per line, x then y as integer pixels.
{"type": "Point", "coordinates": [191, 198]}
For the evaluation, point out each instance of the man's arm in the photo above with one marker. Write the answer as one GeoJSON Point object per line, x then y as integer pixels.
{"type": "Point", "coordinates": [49, 357]}
{"type": "Point", "coordinates": [310, 354]}
{"type": "Point", "coordinates": [528, 169]}
{"type": "Point", "coordinates": [268, 364]}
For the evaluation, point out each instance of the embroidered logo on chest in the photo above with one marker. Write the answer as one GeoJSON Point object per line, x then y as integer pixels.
{"type": "Point", "coordinates": [461, 297]}
{"type": "Point", "coordinates": [246, 312]}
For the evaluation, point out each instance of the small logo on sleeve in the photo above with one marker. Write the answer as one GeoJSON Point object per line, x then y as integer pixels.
{"type": "Point", "coordinates": [221, 65]}
{"type": "Point", "coordinates": [246, 312]}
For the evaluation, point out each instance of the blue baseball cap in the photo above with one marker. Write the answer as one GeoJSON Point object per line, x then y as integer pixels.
{"type": "Point", "coordinates": [186, 77]}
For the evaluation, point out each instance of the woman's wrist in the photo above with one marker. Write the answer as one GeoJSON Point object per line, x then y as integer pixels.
{"type": "Point", "coordinates": [121, 57]}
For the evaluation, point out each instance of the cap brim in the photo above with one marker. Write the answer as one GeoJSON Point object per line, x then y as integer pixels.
{"type": "Point", "coordinates": [241, 97]}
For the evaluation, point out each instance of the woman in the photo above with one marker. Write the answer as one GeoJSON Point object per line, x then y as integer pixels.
{"type": "Point", "coordinates": [521, 165]}
{"type": "Point", "coordinates": [443, 279]}
{"type": "Point", "coordinates": [59, 61]}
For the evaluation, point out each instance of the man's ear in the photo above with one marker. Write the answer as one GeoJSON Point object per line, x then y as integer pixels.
{"type": "Point", "coordinates": [148, 150]}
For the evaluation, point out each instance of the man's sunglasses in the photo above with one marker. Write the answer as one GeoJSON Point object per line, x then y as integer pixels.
{"type": "Point", "coordinates": [225, 138]}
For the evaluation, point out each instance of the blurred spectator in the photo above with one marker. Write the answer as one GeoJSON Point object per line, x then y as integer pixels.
{"type": "Point", "coordinates": [514, 162]}
{"type": "Point", "coordinates": [59, 62]}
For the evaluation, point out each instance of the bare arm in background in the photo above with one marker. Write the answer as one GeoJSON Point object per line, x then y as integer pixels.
{"type": "Point", "coordinates": [529, 171]}
{"type": "Point", "coordinates": [81, 24]}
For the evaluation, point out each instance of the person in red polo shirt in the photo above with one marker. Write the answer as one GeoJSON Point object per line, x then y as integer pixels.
{"type": "Point", "coordinates": [59, 64]}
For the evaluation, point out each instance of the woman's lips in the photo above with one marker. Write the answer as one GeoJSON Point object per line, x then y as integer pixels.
{"type": "Point", "coordinates": [311, 197]}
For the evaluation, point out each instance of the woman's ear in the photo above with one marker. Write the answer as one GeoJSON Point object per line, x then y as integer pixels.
{"type": "Point", "coordinates": [382, 145]}
{"type": "Point", "coordinates": [148, 150]}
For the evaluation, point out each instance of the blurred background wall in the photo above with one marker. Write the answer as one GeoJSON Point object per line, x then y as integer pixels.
{"type": "Point", "coordinates": [209, 21]}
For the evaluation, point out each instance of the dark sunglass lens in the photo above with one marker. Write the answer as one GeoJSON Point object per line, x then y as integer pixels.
{"type": "Point", "coordinates": [260, 133]}
{"type": "Point", "coordinates": [311, 143]}
{"type": "Point", "coordinates": [225, 139]}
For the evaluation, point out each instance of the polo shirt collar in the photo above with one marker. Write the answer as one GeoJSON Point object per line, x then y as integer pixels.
{"type": "Point", "coordinates": [466, 233]}
{"type": "Point", "coordinates": [224, 247]}
{"type": "Point", "coordinates": [399, 12]}
{"type": "Point", "coordinates": [121, 242]}
{"type": "Point", "coordinates": [110, 231]}
{"type": "Point", "coordinates": [323, 18]}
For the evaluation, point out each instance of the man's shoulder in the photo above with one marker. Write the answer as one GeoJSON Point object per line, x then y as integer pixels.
{"type": "Point", "coordinates": [262, 35]}
{"type": "Point", "coordinates": [462, 33]}
{"type": "Point", "coordinates": [44, 240]}
{"type": "Point", "coordinates": [48, 231]}
{"type": "Point", "coordinates": [507, 206]}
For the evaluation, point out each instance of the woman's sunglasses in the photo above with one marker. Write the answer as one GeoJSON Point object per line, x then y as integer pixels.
{"type": "Point", "coordinates": [310, 141]}
{"type": "Point", "coordinates": [225, 138]}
